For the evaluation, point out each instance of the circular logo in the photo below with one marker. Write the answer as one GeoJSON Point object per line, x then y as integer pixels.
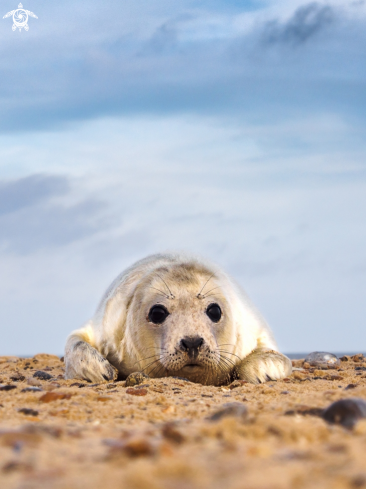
{"type": "Point", "coordinates": [20, 18]}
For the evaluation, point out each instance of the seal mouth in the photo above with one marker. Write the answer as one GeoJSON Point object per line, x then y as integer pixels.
{"type": "Point", "coordinates": [191, 366]}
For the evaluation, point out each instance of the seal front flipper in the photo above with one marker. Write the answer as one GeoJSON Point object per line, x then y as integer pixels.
{"type": "Point", "coordinates": [83, 361]}
{"type": "Point", "coordinates": [263, 365]}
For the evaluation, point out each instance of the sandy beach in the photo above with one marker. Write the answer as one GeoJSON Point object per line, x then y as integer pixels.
{"type": "Point", "coordinates": [170, 433]}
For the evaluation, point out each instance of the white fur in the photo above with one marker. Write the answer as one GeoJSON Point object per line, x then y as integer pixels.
{"type": "Point", "coordinates": [115, 334]}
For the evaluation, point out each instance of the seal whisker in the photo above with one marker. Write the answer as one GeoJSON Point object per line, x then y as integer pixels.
{"type": "Point", "coordinates": [228, 360]}
{"type": "Point", "coordinates": [234, 355]}
{"type": "Point", "coordinates": [143, 359]}
{"type": "Point", "coordinates": [170, 292]}
{"type": "Point", "coordinates": [205, 295]}
{"type": "Point", "coordinates": [150, 364]}
{"type": "Point", "coordinates": [199, 293]}
{"type": "Point", "coordinates": [162, 293]}
{"type": "Point", "coordinates": [159, 367]}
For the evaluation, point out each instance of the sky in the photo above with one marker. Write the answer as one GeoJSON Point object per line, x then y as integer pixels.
{"type": "Point", "coordinates": [232, 129]}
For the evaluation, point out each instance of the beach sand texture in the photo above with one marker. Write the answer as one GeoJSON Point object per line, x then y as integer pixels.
{"type": "Point", "coordinates": [65, 434]}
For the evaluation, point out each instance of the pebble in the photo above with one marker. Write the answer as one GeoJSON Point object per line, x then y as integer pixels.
{"type": "Point", "coordinates": [40, 374]}
{"type": "Point", "coordinates": [136, 378]}
{"type": "Point", "coordinates": [8, 387]}
{"type": "Point", "coordinates": [322, 359]}
{"type": "Point", "coordinates": [17, 377]}
{"type": "Point", "coordinates": [358, 357]}
{"type": "Point", "coordinates": [237, 383]}
{"type": "Point", "coordinates": [136, 392]}
{"type": "Point", "coordinates": [34, 382]}
{"type": "Point", "coordinates": [345, 412]}
{"type": "Point", "coordinates": [32, 389]}
{"type": "Point", "coordinates": [230, 409]}
{"type": "Point", "coordinates": [170, 432]}
{"type": "Point", "coordinates": [54, 396]}
{"type": "Point", "coordinates": [136, 446]}
{"type": "Point", "coordinates": [28, 411]}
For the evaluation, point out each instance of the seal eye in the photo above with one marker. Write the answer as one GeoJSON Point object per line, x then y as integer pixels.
{"type": "Point", "coordinates": [158, 314]}
{"type": "Point", "coordinates": [214, 312]}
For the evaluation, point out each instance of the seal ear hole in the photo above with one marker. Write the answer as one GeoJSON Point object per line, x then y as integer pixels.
{"type": "Point", "coordinates": [158, 314]}
{"type": "Point", "coordinates": [214, 312]}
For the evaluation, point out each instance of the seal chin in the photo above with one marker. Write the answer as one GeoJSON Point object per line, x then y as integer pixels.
{"type": "Point", "coordinates": [192, 367]}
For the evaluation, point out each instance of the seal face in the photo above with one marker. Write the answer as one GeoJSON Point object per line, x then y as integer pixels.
{"type": "Point", "coordinates": [175, 315]}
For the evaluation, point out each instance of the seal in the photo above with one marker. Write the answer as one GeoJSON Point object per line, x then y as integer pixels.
{"type": "Point", "coordinates": [175, 315]}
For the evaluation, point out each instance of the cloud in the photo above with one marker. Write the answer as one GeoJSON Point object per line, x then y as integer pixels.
{"type": "Point", "coordinates": [307, 21]}
{"type": "Point", "coordinates": [177, 59]}
{"type": "Point", "coordinates": [30, 219]}
{"type": "Point", "coordinates": [28, 191]}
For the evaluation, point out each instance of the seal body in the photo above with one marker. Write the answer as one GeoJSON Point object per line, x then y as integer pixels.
{"type": "Point", "coordinates": [175, 315]}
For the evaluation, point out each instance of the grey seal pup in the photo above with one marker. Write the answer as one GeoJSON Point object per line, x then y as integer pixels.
{"type": "Point", "coordinates": [175, 315]}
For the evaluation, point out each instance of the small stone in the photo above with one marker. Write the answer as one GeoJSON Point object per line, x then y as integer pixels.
{"type": "Point", "coordinates": [28, 411]}
{"type": "Point", "coordinates": [17, 377]}
{"type": "Point", "coordinates": [136, 378]}
{"type": "Point", "coordinates": [237, 383]}
{"type": "Point", "coordinates": [345, 358]}
{"type": "Point", "coordinates": [358, 357]}
{"type": "Point", "coordinates": [136, 392]}
{"type": "Point", "coordinates": [170, 432]}
{"type": "Point", "coordinates": [169, 410]}
{"type": "Point", "coordinates": [322, 359]}
{"type": "Point", "coordinates": [306, 365]}
{"type": "Point", "coordinates": [40, 374]}
{"type": "Point", "coordinates": [16, 466]}
{"type": "Point", "coordinates": [77, 384]}
{"type": "Point", "coordinates": [304, 410]}
{"type": "Point", "coordinates": [350, 386]}
{"type": "Point", "coordinates": [136, 446]}
{"type": "Point", "coordinates": [51, 386]}
{"type": "Point", "coordinates": [104, 398]}
{"type": "Point", "coordinates": [8, 387]}
{"type": "Point", "coordinates": [32, 389]}
{"type": "Point", "coordinates": [54, 396]}
{"type": "Point", "coordinates": [335, 377]}
{"type": "Point", "coordinates": [34, 382]}
{"type": "Point", "coordinates": [157, 389]}
{"type": "Point", "coordinates": [345, 412]}
{"type": "Point", "coordinates": [230, 409]}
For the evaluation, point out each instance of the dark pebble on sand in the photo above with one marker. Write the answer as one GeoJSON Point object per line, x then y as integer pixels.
{"type": "Point", "coordinates": [345, 412]}
{"type": "Point", "coordinates": [28, 412]}
{"type": "Point", "coordinates": [230, 409]}
{"type": "Point", "coordinates": [40, 374]}
{"type": "Point", "coordinates": [31, 389]}
{"type": "Point", "coordinates": [7, 387]}
{"type": "Point", "coordinates": [322, 359]}
{"type": "Point", "coordinates": [17, 377]}
{"type": "Point", "coordinates": [136, 378]}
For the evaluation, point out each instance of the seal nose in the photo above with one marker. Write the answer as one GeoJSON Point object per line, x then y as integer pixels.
{"type": "Point", "coordinates": [191, 345]}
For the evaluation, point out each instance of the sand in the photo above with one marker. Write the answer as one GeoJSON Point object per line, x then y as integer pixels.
{"type": "Point", "coordinates": [158, 435]}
